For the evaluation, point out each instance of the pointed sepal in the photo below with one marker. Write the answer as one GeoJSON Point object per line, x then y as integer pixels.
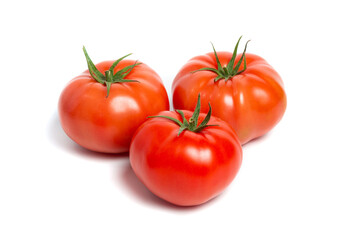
{"type": "Point", "coordinates": [109, 78]}
{"type": "Point", "coordinates": [228, 71]}
{"type": "Point", "coordinates": [190, 125]}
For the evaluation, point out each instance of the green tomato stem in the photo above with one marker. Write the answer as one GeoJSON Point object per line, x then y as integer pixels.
{"type": "Point", "coordinates": [109, 77]}
{"type": "Point", "coordinates": [228, 71]}
{"type": "Point", "coordinates": [192, 124]}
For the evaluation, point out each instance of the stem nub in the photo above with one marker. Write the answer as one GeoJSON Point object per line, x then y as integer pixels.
{"type": "Point", "coordinates": [109, 77]}
{"type": "Point", "coordinates": [192, 124]}
{"type": "Point", "coordinates": [228, 71]}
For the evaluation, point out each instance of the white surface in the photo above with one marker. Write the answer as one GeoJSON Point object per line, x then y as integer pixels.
{"type": "Point", "coordinates": [301, 181]}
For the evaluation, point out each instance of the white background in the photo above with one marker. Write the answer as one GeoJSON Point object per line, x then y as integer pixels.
{"type": "Point", "coordinates": [300, 181]}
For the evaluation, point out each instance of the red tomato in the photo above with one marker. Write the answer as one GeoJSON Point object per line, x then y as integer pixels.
{"type": "Point", "coordinates": [251, 98]}
{"type": "Point", "coordinates": [182, 166]}
{"type": "Point", "coordinates": [103, 118]}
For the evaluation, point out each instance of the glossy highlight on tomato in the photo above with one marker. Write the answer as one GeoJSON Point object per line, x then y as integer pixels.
{"type": "Point", "coordinates": [243, 89]}
{"type": "Point", "coordinates": [101, 108]}
{"type": "Point", "coordinates": [183, 164]}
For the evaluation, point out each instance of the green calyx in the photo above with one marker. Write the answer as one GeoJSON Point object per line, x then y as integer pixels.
{"type": "Point", "coordinates": [192, 124]}
{"type": "Point", "coordinates": [109, 77]}
{"type": "Point", "coordinates": [228, 71]}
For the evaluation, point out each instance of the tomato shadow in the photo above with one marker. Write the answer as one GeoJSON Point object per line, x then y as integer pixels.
{"type": "Point", "coordinates": [257, 140]}
{"type": "Point", "coordinates": [135, 187]}
{"type": "Point", "coordinates": [58, 138]}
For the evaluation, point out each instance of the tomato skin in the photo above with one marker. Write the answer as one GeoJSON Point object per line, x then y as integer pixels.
{"type": "Point", "coordinates": [188, 169]}
{"type": "Point", "coordinates": [107, 124]}
{"type": "Point", "coordinates": [252, 102]}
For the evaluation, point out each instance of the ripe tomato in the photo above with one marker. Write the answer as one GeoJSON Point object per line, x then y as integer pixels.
{"type": "Point", "coordinates": [183, 162]}
{"type": "Point", "coordinates": [101, 108]}
{"type": "Point", "coordinates": [244, 90]}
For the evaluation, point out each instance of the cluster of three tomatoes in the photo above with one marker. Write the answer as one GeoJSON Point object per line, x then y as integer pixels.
{"type": "Point", "coordinates": [188, 156]}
